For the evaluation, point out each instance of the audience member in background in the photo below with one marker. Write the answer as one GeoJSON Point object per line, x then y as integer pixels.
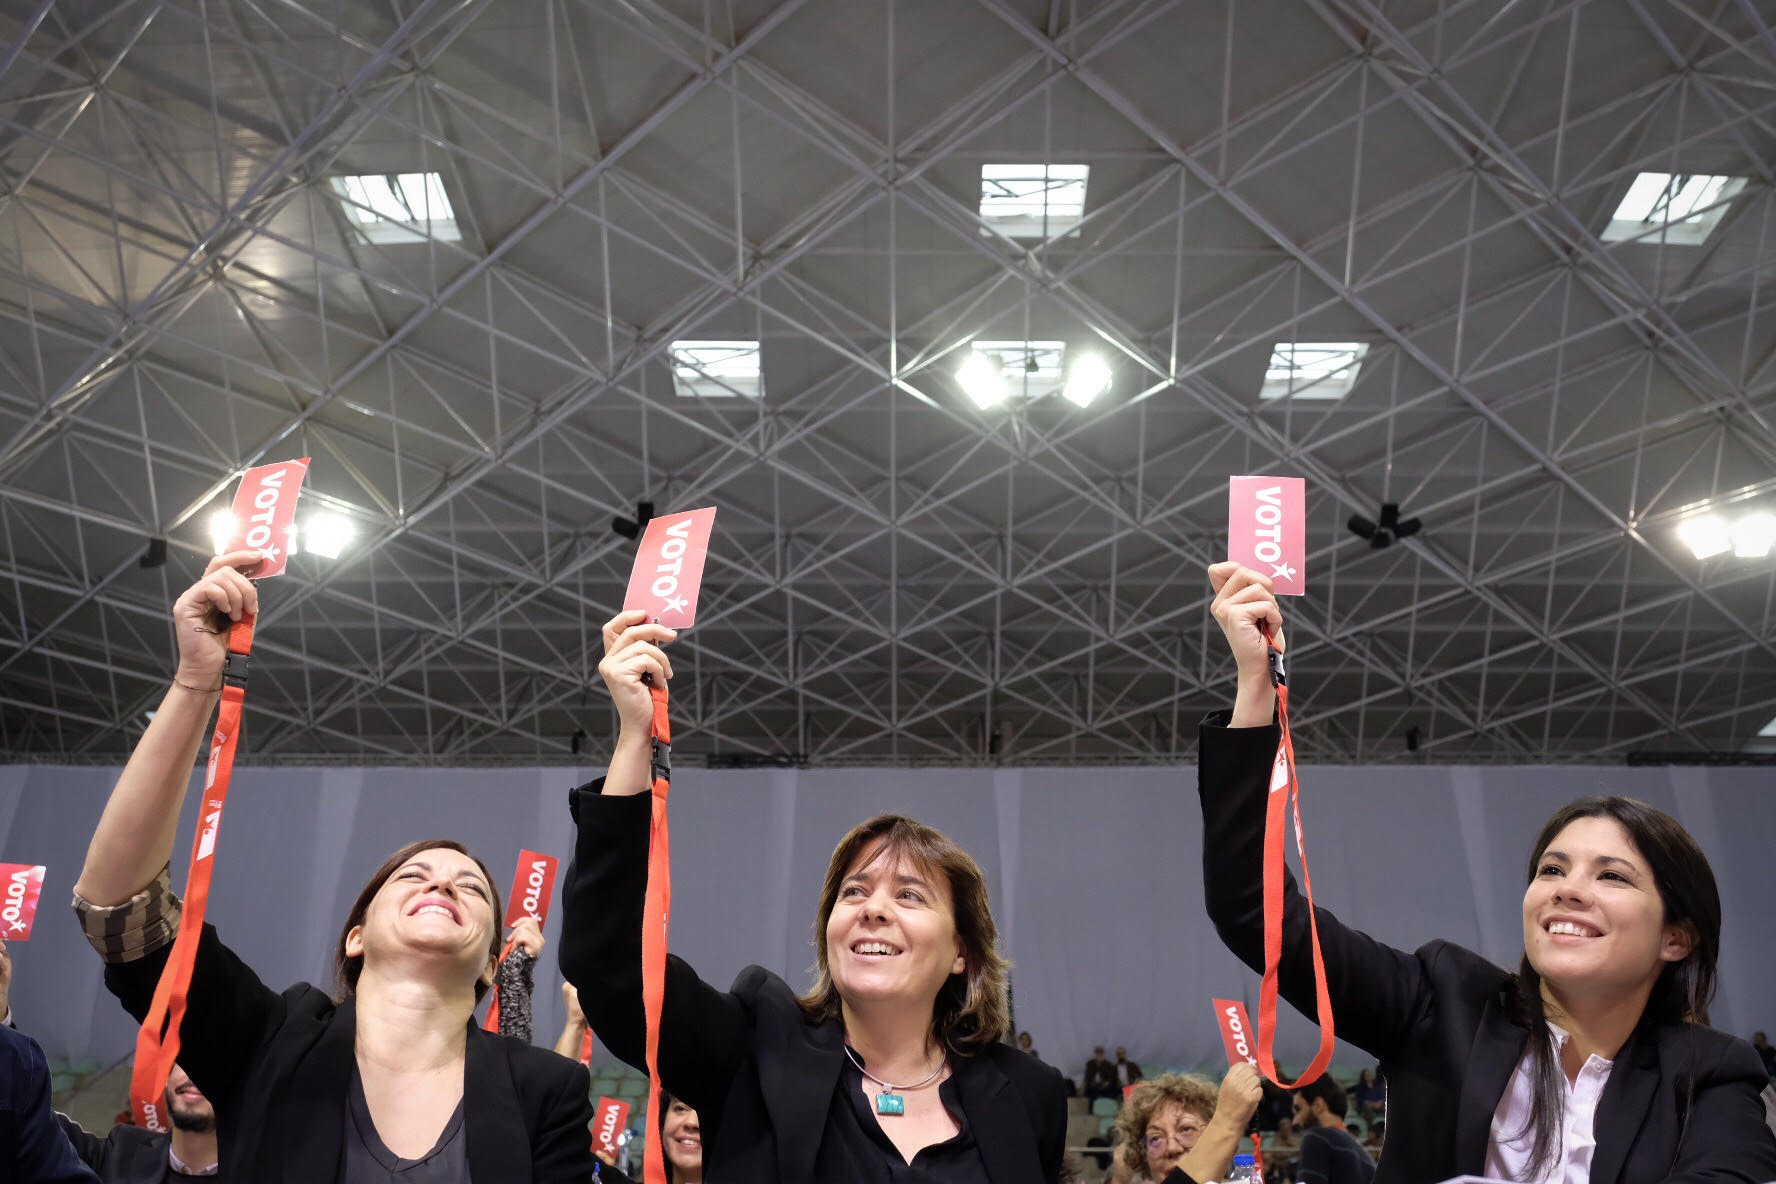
{"type": "Point", "coordinates": [1025, 1046]}
{"type": "Point", "coordinates": [1100, 1077]}
{"type": "Point", "coordinates": [1127, 1072]}
{"type": "Point", "coordinates": [1329, 1153]}
{"type": "Point", "coordinates": [515, 976]}
{"type": "Point", "coordinates": [33, 1149]}
{"type": "Point", "coordinates": [135, 1155]}
{"type": "Point", "coordinates": [1369, 1095]}
{"type": "Point", "coordinates": [1280, 1152]}
{"type": "Point", "coordinates": [681, 1138]}
{"type": "Point", "coordinates": [1377, 1132]}
{"type": "Point", "coordinates": [895, 1059]}
{"type": "Point", "coordinates": [310, 1088]}
{"type": "Point", "coordinates": [1278, 1105]}
{"type": "Point", "coordinates": [1593, 1060]}
{"type": "Point", "coordinates": [1761, 1042]}
{"type": "Point", "coordinates": [1177, 1129]}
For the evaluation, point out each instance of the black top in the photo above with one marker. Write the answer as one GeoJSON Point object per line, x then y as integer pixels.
{"type": "Point", "coordinates": [1440, 1022]}
{"type": "Point", "coordinates": [278, 1067]}
{"type": "Point", "coordinates": [874, 1159]}
{"type": "Point", "coordinates": [129, 1155]}
{"type": "Point", "coordinates": [762, 1078]}
{"type": "Point", "coordinates": [366, 1159]}
{"type": "Point", "coordinates": [1332, 1155]}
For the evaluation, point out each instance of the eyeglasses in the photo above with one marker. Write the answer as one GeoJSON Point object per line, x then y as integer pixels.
{"type": "Point", "coordinates": [1184, 1137]}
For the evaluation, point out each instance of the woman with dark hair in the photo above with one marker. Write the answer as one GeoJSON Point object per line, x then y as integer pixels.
{"type": "Point", "coordinates": [681, 1138]}
{"type": "Point", "coordinates": [389, 1072]}
{"type": "Point", "coordinates": [893, 1063]}
{"type": "Point", "coordinates": [1592, 1062]}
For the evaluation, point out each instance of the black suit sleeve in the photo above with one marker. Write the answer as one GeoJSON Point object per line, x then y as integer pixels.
{"type": "Point", "coordinates": [563, 1139]}
{"type": "Point", "coordinates": [1727, 1138]}
{"type": "Point", "coordinates": [229, 1013]}
{"type": "Point", "coordinates": [1377, 992]}
{"type": "Point", "coordinates": [32, 1143]}
{"type": "Point", "coordinates": [93, 1151]}
{"type": "Point", "coordinates": [704, 1033]}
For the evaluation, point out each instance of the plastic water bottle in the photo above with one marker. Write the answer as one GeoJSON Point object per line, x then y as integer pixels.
{"type": "Point", "coordinates": [1244, 1168]}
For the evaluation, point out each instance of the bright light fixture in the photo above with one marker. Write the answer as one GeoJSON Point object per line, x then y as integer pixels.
{"type": "Point", "coordinates": [716, 369]}
{"type": "Point", "coordinates": [1323, 370]}
{"type": "Point", "coordinates": [1768, 729]}
{"type": "Point", "coordinates": [222, 530]}
{"type": "Point", "coordinates": [981, 379]}
{"type": "Point", "coordinates": [398, 207]}
{"type": "Point", "coordinates": [1705, 535]}
{"type": "Point", "coordinates": [1032, 200]}
{"type": "Point", "coordinates": [327, 534]}
{"type": "Point", "coordinates": [1677, 208]}
{"type": "Point", "coordinates": [1753, 535]}
{"type": "Point", "coordinates": [1087, 378]}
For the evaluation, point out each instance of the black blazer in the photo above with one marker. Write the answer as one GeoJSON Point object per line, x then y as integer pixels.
{"type": "Point", "coordinates": [1439, 1022]}
{"type": "Point", "coordinates": [126, 1155]}
{"type": "Point", "coordinates": [277, 1067]}
{"type": "Point", "coordinates": [760, 1076]}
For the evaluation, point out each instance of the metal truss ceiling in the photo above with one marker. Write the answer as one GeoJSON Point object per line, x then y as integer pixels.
{"type": "Point", "coordinates": [899, 577]}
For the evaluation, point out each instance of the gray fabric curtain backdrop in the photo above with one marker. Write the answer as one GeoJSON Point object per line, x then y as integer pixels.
{"type": "Point", "coordinates": [1095, 874]}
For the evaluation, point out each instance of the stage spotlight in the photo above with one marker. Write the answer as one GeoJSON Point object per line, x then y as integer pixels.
{"type": "Point", "coordinates": [1705, 535]}
{"type": "Point", "coordinates": [981, 380]}
{"type": "Point", "coordinates": [631, 528]}
{"type": "Point", "coordinates": [327, 534]}
{"type": "Point", "coordinates": [1753, 535]}
{"type": "Point", "coordinates": [579, 739]}
{"type": "Point", "coordinates": [1413, 736]}
{"type": "Point", "coordinates": [222, 526]}
{"type": "Point", "coordinates": [1087, 378]}
{"type": "Point", "coordinates": [1390, 527]}
{"type": "Point", "coordinates": [155, 555]}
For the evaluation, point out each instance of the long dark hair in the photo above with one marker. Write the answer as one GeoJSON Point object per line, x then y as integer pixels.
{"type": "Point", "coordinates": [346, 970]}
{"type": "Point", "coordinates": [1684, 989]}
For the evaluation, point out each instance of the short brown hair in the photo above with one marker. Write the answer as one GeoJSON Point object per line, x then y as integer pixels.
{"type": "Point", "coordinates": [346, 970]}
{"type": "Point", "coordinates": [1196, 1094]}
{"type": "Point", "coordinates": [973, 1008]}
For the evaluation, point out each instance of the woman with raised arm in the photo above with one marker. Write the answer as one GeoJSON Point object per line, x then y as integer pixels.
{"type": "Point", "coordinates": [389, 1075]}
{"type": "Point", "coordinates": [891, 1068]}
{"type": "Point", "coordinates": [1593, 1062]}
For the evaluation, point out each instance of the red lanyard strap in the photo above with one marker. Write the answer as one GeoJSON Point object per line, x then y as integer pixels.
{"type": "Point", "coordinates": [655, 916]}
{"type": "Point", "coordinates": [157, 1045]}
{"type": "Point", "coordinates": [1285, 795]}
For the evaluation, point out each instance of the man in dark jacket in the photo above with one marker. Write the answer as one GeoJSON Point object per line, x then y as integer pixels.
{"type": "Point", "coordinates": [1100, 1077]}
{"type": "Point", "coordinates": [134, 1155]}
{"type": "Point", "coordinates": [1329, 1153]}
{"type": "Point", "coordinates": [32, 1146]}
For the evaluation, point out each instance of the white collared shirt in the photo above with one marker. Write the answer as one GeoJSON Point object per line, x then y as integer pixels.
{"type": "Point", "coordinates": [184, 1169]}
{"type": "Point", "coordinates": [1513, 1138]}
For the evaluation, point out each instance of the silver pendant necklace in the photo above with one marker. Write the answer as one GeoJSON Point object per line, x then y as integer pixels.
{"type": "Point", "coordinates": [890, 1101]}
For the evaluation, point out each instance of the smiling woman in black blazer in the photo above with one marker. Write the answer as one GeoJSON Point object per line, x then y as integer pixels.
{"type": "Point", "coordinates": [310, 1087]}
{"type": "Point", "coordinates": [892, 1062]}
{"type": "Point", "coordinates": [1593, 1062]}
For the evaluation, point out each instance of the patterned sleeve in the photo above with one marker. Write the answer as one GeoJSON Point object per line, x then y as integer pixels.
{"type": "Point", "coordinates": [515, 980]}
{"type": "Point", "coordinates": [141, 925]}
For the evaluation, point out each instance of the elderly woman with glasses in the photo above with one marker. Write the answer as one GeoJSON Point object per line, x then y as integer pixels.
{"type": "Point", "coordinates": [1176, 1130]}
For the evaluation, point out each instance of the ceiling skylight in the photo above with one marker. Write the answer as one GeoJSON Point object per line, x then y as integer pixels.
{"type": "Point", "coordinates": [1681, 208]}
{"type": "Point", "coordinates": [1027, 369]}
{"type": "Point", "coordinates": [398, 207]}
{"type": "Point", "coordinates": [1032, 200]}
{"type": "Point", "coordinates": [716, 369]}
{"type": "Point", "coordinates": [1312, 370]}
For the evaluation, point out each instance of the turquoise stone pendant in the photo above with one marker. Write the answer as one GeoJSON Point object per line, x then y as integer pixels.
{"type": "Point", "coordinates": [887, 1103]}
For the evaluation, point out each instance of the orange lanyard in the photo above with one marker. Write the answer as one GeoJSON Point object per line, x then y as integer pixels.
{"type": "Point", "coordinates": [1285, 796]}
{"type": "Point", "coordinates": [655, 916]}
{"type": "Point", "coordinates": [157, 1045]}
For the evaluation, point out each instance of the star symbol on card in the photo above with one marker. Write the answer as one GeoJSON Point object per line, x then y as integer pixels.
{"type": "Point", "coordinates": [1282, 571]}
{"type": "Point", "coordinates": [676, 604]}
{"type": "Point", "coordinates": [269, 554]}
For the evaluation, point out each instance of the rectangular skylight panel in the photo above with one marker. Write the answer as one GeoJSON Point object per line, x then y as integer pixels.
{"type": "Point", "coordinates": [1676, 208]}
{"type": "Point", "coordinates": [1768, 729]}
{"type": "Point", "coordinates": [716, 369]}
{"type": "Point", "coordinates": [1032, 200]}
{"type": "Point", "coordinates": [398, 207]}
{"type": "Point", "coordinates": [1312, 370]}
